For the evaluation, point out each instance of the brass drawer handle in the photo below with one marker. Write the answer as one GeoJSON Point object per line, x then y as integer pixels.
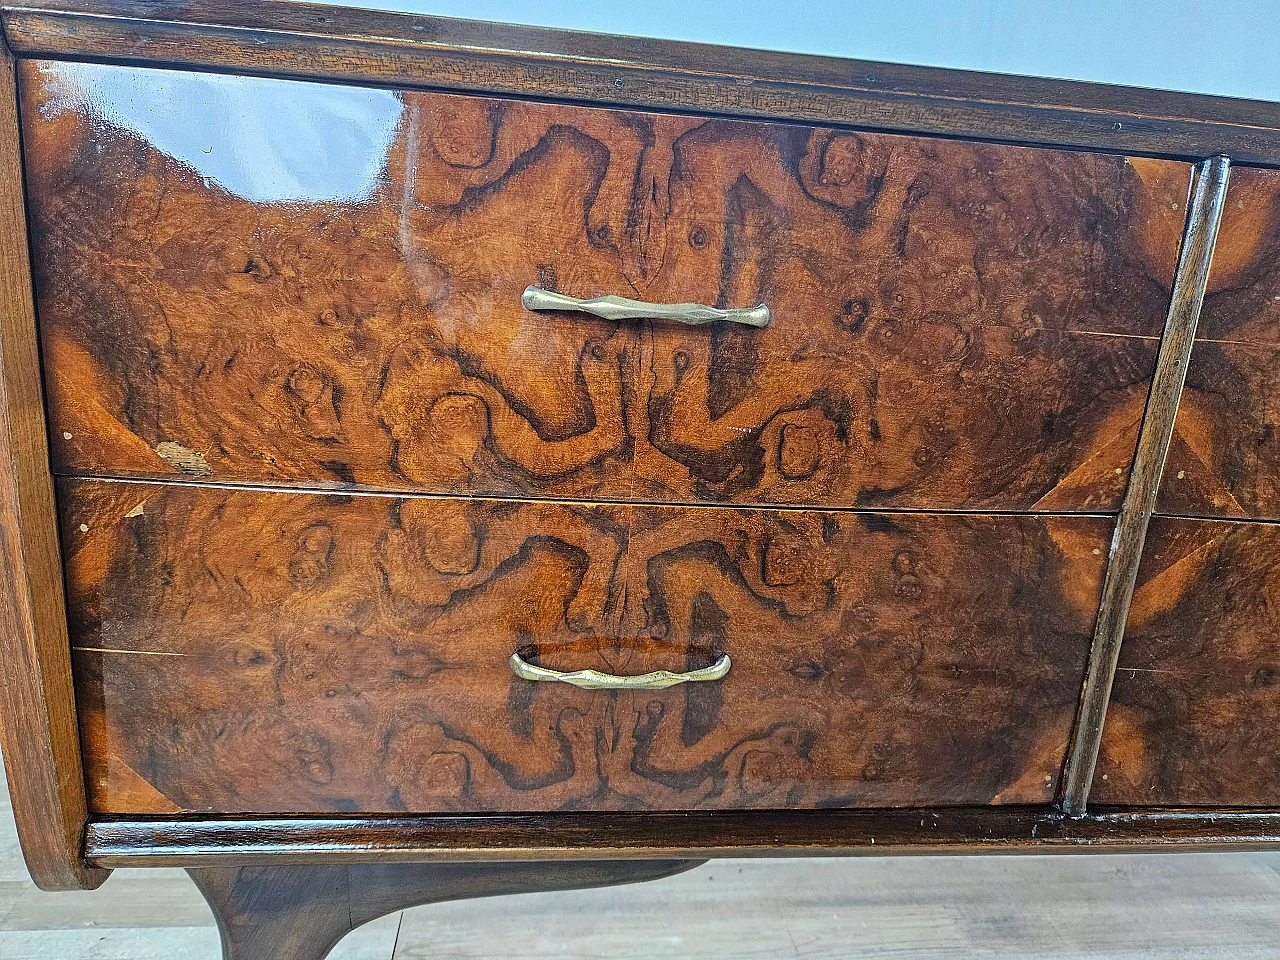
{"type": "Point", "coordinates": [620, 308]}
{"type": "Point", "coordinates": [595, 680]}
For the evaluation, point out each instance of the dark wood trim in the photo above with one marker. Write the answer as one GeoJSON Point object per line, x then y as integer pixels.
{"type": "Point", "coordinates": [1203, 218]}
{"type": "Point", "coordinates": [700, 834]}
{"type": "Point", "coordinates": [38, 730]}
{"type": "Point", "coordinates": [358, 46]}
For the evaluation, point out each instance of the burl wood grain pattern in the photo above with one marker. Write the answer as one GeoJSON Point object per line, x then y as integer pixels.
{"type": "Point", "coordinates": [957, 325]}
{"type": "Point", "coordinates": [1196, 700]}
{"type": "Point", "coordinates": [1156, 436]}
{"type": "Point", "coordinates": [248, 651]}
{"type": "Point", "coordinates": [1225, 458]}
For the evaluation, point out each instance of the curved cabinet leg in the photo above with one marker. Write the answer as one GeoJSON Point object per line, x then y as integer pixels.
{"type": "Point", "coordinates": [301, 912]}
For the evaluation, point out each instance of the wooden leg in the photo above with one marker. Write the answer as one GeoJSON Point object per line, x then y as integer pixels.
{"type": "Point", "coordinates": [301, 912]}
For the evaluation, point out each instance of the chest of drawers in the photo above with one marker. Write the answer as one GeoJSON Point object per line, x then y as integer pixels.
{"type": "Point", "coordinates": [362, 547]}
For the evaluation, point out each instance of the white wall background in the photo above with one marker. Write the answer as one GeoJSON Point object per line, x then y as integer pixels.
{"type": "Point", "coordinates": [1229, 47]}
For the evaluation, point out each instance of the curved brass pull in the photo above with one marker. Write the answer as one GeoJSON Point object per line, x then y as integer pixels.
{"type": "Point", "coordinates": [620, 308]}
{"type": "Point", "coordinates": [595, 680]}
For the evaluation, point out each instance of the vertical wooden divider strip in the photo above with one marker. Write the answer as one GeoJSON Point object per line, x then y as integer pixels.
{"type": "Point", "coordinates": [1203, 218]}
{"type": "Point", "coordinates": [38, 729]}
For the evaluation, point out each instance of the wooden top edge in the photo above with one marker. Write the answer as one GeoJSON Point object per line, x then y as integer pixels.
{"type": "Point", "coordinates": [738, 63]}
{"type": "Point", "coordinates": [313, 41]}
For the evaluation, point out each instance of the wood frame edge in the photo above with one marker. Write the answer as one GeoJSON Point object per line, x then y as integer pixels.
{"type": "Point", "coordinates": [1204, 216]}
{"type": "Point", "coordinates": [336, 44]}
{"type": "Point", "coordinates": [38, 728]}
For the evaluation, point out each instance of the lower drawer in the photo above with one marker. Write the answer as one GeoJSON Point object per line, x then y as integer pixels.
{"type": "Point", "coordinates": [244, 651]}
{"type": "Point", "coordinates": [1196, 704]}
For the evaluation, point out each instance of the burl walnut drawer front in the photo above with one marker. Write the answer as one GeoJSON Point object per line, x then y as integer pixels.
{"type": "Point", "coordinates": [253, 651]}
{"type": "Point", "coordinates": [241, 297]}
{"type": "Point", "coordinates": [1225, 459]}
{"type": "Point", "coordinates": [1196, 702]}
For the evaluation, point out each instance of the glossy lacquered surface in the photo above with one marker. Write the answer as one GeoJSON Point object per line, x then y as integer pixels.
{"type": "Point", "coordinates": [245, 651]}
{"type": "Point", "coordinates": [954, 324]}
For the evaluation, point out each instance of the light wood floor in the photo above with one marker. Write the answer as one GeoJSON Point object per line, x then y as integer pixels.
{"type": "Point", "coordinates": [1220, 906]}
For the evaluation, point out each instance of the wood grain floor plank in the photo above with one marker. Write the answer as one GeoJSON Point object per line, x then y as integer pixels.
{"type": "Point", "coordinates": [1117, 908]}
{"type": "Point", "coordinates": [137, 898]}
{"type": "Point", "coordinates": [152, 943]}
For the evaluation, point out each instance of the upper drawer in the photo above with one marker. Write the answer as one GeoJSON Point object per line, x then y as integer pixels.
{"type": "Point", "coordinates": [1225, 458]}
{"type": "Point", "coordinates": [297, 283]}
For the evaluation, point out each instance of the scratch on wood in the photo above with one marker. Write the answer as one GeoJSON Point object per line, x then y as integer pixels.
{"type": "Point", "coordinates": [183, 459]}
{"type": "Point", "coordinates": [136, 511]}
{"type": "Point", "coordinates": [1172, 673]}
{"type": "Point", "coordinates": [141, 653]}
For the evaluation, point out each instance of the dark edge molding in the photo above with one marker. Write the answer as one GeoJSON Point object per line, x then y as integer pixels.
{"type": "Point", "coordinates": [312, 41]}
{"type": "Point", "coordinates": [38, 727]}
{"type": "Point", "coordinates": [701, 834]}
{"type": "Point", "coordinates": [1203, 218]}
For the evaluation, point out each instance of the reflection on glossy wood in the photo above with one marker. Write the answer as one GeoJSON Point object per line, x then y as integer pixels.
{"type": "Point", "coordinates": [1225, 459]}
{"type": "Point", "coordinates": [943, 334]}
{"type": "Point", "coordinates": [246, 651]}
{"type": "Point", "coordinates": [1196, 701]}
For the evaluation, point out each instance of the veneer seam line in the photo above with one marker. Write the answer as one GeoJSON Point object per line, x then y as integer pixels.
{"type": "Point", "coordinates": [395, 493]}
